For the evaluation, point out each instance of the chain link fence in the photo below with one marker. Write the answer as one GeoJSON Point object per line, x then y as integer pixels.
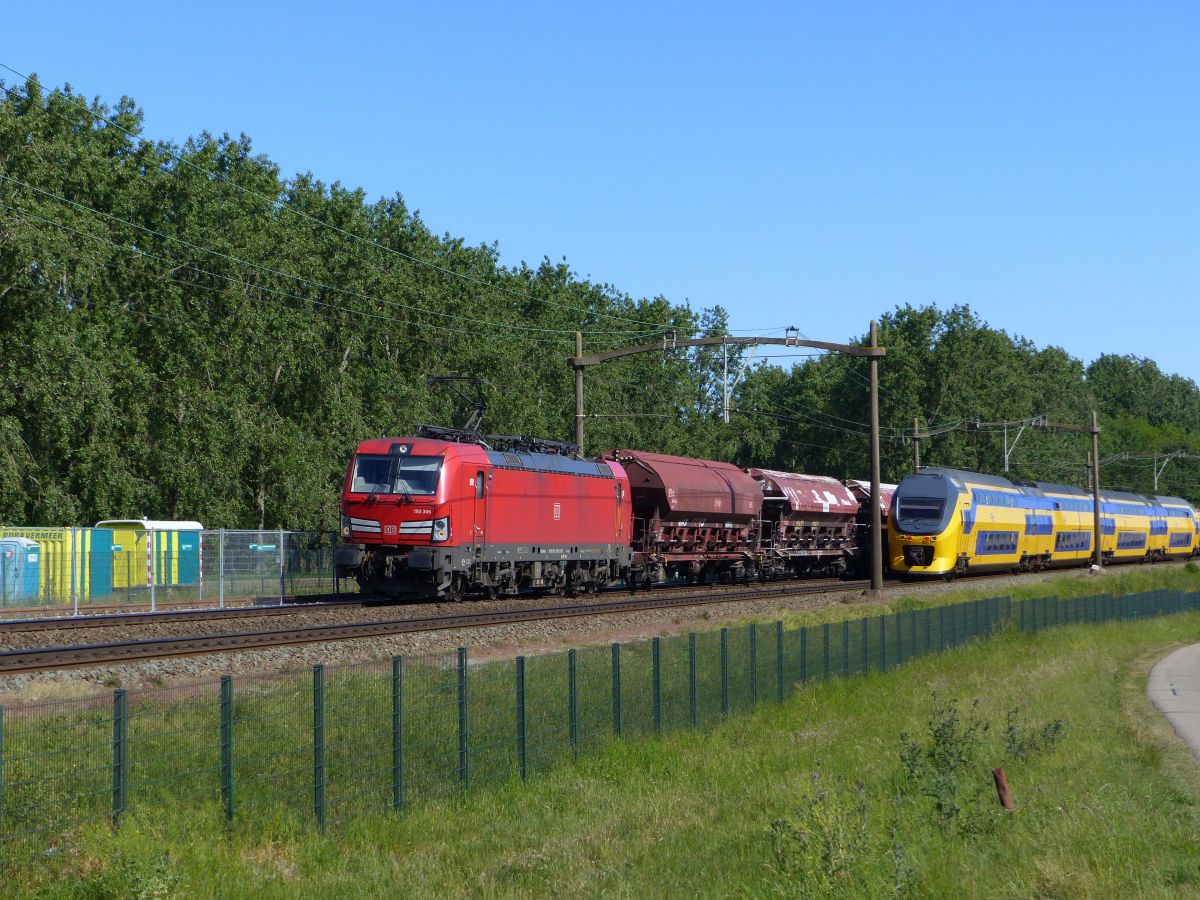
{"type": "Point", "coordinates": [72, 571]}
{"type": "Point", "coordinates": [333, 742]}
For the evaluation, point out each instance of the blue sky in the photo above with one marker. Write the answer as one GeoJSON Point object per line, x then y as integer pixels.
{"type": "Point", "coordinates": [807, 164]}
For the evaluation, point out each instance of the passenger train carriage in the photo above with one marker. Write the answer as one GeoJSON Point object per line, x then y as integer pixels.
{"type": "Point", "coordinates": [947, 522]}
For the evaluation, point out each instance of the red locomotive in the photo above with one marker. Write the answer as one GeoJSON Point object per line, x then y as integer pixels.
{"type": "Point", "coordinates": [444, 514]}
{"type": "Point", "coordinates": [449, 513]}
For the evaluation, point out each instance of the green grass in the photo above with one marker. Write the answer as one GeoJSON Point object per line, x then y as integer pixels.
{"type": "Point", "coordinates": [810, 795]}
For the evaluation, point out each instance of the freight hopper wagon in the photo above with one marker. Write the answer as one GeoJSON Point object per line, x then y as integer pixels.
{"type": "Point", "coordinates": [862, 493]}
{"type": "Point", "coordinates": [807, 525]}
{"type": "Point", "coordinates": [692, 518]}
{"type": "Point", "coordinates": [947, 522]}
{"type": "Point", "coordinates": [450, 513]}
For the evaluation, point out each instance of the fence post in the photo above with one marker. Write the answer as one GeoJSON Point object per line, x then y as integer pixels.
{"type": "Point", "coordinates": [804, 654]}
{"type": "Point", "coordinates": [882, 642]}
{"type": "Point", "coordinates": [521, 754]}
{"type": "Point", "coordinates": [464, 771]}
{"type": "Point", "coordinates": [724, 671]}
{"type": "Point", "coordinates": [572, 701]}
{"type": "Point", "coordinates": [942, 628]}
{"type": "Point", "coordinates": [825, 650]}
{"type": "Point", "coordinates": [616, 688]}
{"type": "Point", "coordinates": [221, 569]}
{"type": "Point", "coordinates": [928, 630]}
{"type": "Point", "coordinates": [282, 566]}
{"type": "Point", "coordinates": [227, 745]}
{"type": "Point", "coordinates": [693, 705]}
{"type": "Point", "coordinates": [120, 749]}
{"type": "Point", "coordinates": [656, 679]}
{"type": "Point", "coordinates": [845, 648]}
{"type": "Point", "coordinates": [753, 636]}
{"type": "Point", "coordinates": [866, 667]}
{"type": "Point", "coordinates": [319, 743]}
{"type": "Point", "coordinates": [779, 661]}
{"type": "Point", "coordinates": [152, 565]}
{"type": "Point", "coordinates": [337, 582]}
{"type": "Point", "coordinates": [899, 640]}
{"type": "Point", "coordinates": [73, 594]}
{"type": "Point", "coordinates": [398, 732]}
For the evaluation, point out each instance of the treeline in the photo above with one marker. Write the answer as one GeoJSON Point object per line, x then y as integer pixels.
{"type": "Point", "coordinates": [187, 333]}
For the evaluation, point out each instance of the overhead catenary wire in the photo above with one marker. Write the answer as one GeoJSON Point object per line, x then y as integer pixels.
{"type": "Point", "coordinates": [277, 203]}
{"type": "Point", "coordinates": [297, 278]}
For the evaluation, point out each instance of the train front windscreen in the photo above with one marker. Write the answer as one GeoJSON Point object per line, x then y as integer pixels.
{"type": "Point", "coordinates": [393, 474]}
{"type": "Point", "coordinates": [923, 504]}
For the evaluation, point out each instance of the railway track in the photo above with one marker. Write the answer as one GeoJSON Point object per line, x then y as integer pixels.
{"type": "Point", "coordinates": [49, 658]}
{"type": "Point", "coordinates": [164, 617]}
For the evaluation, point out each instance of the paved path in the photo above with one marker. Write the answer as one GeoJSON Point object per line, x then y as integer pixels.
{"type": "Point", "coordinates": [1174, 687]}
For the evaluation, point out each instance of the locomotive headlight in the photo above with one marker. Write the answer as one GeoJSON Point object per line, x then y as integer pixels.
{"type": "Point", "coordinates": [345, 526]}
{"type": "Point", "coordinates": [441, 529]}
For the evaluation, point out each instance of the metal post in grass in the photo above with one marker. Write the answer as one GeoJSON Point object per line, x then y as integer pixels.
{"type": "Point", "coordinates": [912, 631]}
{"type": "Point", "coordinates": [941, 629]}
{"type": "Point", "coordinates": [753, 635]}
{"type": "Point", "coordinates": [882, 642]}
{"type": "Point", "coordinates": [693, 705]}
{"type": "Point", "coordinates": [464, 771]}
{"type": "Point", "coordinates": [573, 701]}
{"type": "Point", "coordinates": [521, 749]}
{"type": "Point", "coordinates": [120, 749]}
{"type": "Point", "coordinates": [899, 640]}
{"type": "Point", "coordinates": [779, 661]}
{"type": "Point", "coordinates": [318, 739]}
{"type": "Point", "coordinates": [866, 666]}
{"type": "Point", "coordinates": [397, 732]}
{"type": "Point", "coordinates": [804, 655]}
{"type": "Point", "coordinates": [928, 630]}
{"type": "Point", "coordinates": [656, 681]}
{"type": "Point", "coordinates": [616, 688]}
{"type": "Point", "coordinates": [227, 745]}
{"type": "Point", "coordinates": [724, 671]}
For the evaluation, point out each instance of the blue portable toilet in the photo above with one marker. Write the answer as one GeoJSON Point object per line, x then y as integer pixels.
{"type": "Point", "coordinates": [20, 570]}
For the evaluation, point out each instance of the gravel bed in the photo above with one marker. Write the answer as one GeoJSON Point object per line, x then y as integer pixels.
{"type": "Point", "coordinates": [487, 642]}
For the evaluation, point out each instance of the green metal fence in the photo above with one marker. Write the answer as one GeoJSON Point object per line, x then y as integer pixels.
{"type": "Point", "coordinates": [336, 741]}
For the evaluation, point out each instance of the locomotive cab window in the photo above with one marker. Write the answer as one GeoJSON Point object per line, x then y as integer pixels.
{"type": "Point", "coordinates": [386, 474]}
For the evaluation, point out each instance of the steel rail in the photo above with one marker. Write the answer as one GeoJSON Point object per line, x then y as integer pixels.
{"type": "Point", "coordinates": [49, 658]}
{"type": "Point", "coordinates": [163, 617]}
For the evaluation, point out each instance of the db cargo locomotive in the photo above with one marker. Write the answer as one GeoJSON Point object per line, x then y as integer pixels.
{"type": "Point", "coordinates": [441, 515]}
{"type": "Point", "coordinates": [946, 522]}
{"type": "Point", "coordinates": [449, 513]}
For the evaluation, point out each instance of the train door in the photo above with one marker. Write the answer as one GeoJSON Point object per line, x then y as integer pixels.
{"type": "Point", "coordinates": [478, 531]}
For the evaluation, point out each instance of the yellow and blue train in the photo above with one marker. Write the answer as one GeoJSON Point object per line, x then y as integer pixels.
{"type": "Point", "coordinates": [947, 522]}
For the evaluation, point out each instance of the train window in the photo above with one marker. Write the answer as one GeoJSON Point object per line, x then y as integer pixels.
{"type": "Point", "coordinates": [921, 509]}
{"type": "Point", "coordinates": [478, 485]}
{"type": "Point", "coordinates": [396, 474]}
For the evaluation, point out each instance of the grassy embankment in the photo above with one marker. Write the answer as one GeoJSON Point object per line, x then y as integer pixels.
{"type": "Point", "coordinates": [814, 795]}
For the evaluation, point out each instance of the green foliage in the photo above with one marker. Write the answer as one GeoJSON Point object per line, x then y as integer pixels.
{"type": "Point", "coordinates": [950, 766]}
{"type": "Point", "coordinates": [818, 847]}
{"type": "Point", "coordinates": [187, 332]}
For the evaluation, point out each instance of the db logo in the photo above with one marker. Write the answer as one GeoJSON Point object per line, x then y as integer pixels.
{"type": "Point", "coordinates": [389, 529]}
{"type": "Point", "coordinates": [557, 511]}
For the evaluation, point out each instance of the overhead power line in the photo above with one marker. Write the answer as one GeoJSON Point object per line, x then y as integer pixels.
{"type": "Point", "coordinates": [279, 204]}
